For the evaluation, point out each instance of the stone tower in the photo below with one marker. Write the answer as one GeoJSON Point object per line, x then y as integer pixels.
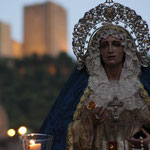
{"type": "Point", "coordinates": [5, 40]}
{"type": "Point", "coordinates": [45, 29]}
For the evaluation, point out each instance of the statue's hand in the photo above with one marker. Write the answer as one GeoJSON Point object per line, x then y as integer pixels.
{"type": "Point", "coordinates": [96, 114]}
{"type": "Point", "coordinates": [141, 142]}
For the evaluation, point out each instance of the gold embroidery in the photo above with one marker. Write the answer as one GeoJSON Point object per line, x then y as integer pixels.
{"type": "Point", "coordinates": [70, 138]}
{"type": "Point", "coordinates": [80, 105]}
{"type": "Point", "coordinates": [77, 114]}
{"type": "Point", "coordinates": [99, 136]}
{"type": "Point", "coordinates": [144, 95]}
{"type": "Point", "coordinates": [75, 117]}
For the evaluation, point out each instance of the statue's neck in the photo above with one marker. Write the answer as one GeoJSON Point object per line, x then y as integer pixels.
{"type": "Point", "coordinates": [113, 72]}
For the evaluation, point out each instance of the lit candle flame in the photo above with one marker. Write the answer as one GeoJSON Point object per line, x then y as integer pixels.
{"type": "Point", "coordinates": [32, 142]}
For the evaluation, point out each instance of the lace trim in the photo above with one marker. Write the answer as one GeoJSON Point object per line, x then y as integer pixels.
{"type": "Point", "coordinates": [126, 89]}
{"type": "Point", "coordinates": [102, 91]}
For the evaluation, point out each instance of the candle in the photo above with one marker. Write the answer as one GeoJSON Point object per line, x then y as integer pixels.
{"type": "Point", "coordinates": [34, 146]}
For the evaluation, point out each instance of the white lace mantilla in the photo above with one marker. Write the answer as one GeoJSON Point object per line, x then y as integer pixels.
{"type": "Point", "coordinates": [127, 88]}
{"type": "Point", "coordinates": [126, 91]}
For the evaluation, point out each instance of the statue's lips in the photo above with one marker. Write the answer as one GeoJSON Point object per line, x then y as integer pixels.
{"type": "Point", "coordinates": [111, 57]}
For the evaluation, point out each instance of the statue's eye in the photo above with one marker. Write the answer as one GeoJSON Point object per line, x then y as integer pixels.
{"type": "Point", "coordinates": [116, 43]}
{"type": "Point", "coordinates": [104, 45]}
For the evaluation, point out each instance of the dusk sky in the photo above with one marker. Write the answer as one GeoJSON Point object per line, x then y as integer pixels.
{"type": "Point", "coordinates": [11, 12]}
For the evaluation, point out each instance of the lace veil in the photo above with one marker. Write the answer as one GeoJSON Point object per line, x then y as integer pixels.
{"type": "Point", "coordinates": [127, 88]}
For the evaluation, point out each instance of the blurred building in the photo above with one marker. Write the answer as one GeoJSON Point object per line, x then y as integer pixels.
{"type": "Point", "coordinates": [17, 49]}
{"type": "Point", "coordinates": [45, 29]}
{"type": "Point", "coordinates": [5, 40]}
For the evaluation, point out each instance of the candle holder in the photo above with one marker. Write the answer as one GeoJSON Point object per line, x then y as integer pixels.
{"type": "Point", "coordinates": [36, 141]}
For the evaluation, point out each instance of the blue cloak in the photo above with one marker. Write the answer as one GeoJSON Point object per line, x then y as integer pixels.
{"type": "Point", "coordinates": [61, 114]}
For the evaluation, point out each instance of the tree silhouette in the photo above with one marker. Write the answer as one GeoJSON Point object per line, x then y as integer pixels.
{"type": "Point", "coordinates": [29, 88]}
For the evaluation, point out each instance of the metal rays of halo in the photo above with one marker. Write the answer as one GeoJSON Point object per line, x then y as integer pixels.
{"type": "Point", "coordinates": [109, 1]}
{"type": "Point", "coordinates": [116, 14]}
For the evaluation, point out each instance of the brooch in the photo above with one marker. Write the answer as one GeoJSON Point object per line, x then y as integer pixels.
{"type": "Point", "coordinates": [91, 105]}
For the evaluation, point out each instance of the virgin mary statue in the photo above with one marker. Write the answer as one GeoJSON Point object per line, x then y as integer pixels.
{"type": "Point", "coordinates": [106, 100]}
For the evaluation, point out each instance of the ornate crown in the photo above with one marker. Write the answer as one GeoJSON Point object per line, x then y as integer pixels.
{"type": "Point", "coordinates": [110, 13]}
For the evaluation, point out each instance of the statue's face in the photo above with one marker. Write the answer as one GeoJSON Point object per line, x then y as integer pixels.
{"type": "Point", "coordinates": [111, 51]}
